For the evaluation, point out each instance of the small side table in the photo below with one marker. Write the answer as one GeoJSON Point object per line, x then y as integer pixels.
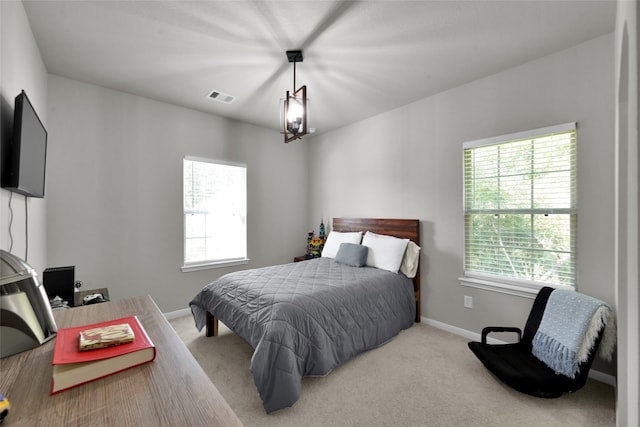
{"type": "Point", "coordinates": [300, 258]}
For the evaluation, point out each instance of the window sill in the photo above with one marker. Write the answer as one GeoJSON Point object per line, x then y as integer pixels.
{"type": "Point", "coordinates": [510, 287]}
{"type": "Point", "coordinates": [213, 264]}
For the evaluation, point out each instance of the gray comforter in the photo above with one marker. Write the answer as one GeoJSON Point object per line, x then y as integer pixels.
{"type": "Point", "coordinates": [306, 318]}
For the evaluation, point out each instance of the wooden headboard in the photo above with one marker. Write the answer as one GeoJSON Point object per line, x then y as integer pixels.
{"type": "Point", "coordinates": [402, 228]}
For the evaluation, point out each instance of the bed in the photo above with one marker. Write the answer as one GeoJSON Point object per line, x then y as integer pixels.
{"type": "Point", "coordinates": [306, 318]}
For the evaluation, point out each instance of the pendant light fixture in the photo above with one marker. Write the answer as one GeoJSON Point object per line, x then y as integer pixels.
{"type": "Point", "coordinates": [295, 111]}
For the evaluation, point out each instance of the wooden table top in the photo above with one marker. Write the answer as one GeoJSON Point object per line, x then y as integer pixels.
{"type": "Point", "coordinates": [172, 390]}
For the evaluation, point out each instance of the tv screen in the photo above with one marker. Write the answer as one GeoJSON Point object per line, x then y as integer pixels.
{"type": "Point", "coordinates": [24, 155]}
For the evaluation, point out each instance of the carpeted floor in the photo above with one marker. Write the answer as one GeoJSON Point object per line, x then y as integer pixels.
{"type": "Point", "coordinates": [423, 377]}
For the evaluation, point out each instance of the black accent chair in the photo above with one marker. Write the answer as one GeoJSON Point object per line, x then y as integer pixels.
{"type": "Point", "coordinates": [516, 366]}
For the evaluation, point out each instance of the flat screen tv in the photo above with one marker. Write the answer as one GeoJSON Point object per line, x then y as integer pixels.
{"type": "Point", "coordinates": [24, 154]}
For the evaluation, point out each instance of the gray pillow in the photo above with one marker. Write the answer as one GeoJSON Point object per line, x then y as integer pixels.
{"type": "Point", "coordinates": [352, 254]}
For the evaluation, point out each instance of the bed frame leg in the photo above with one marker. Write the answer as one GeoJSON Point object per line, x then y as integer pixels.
{"type": "Point", "coordinates": [212, 325]}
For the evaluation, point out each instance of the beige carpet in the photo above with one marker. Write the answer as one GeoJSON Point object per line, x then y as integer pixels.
{"type": "Point", "coordinates": [423, 377]}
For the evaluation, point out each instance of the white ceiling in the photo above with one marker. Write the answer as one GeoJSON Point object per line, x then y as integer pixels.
{"type": "Point", "coordinates": [360, 58]}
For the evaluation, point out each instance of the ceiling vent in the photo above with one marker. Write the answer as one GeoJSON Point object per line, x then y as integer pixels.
{"type": "Point", "coordinates": [220, 96]}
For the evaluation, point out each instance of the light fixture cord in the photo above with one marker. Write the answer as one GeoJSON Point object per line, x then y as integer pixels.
{"type": "Point", "coordinates": [294, 77]}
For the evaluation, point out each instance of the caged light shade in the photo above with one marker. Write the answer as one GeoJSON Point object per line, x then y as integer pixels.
{"type": "Point", "coordinates": [294, 114]}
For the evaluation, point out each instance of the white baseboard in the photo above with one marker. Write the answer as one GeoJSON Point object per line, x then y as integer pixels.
{"type": "Point", "coordinates": [593, 374]}
{"type": "Point", "coordinates": [603, 378]}
{"type": "Point", "coordinates": [178, 313]}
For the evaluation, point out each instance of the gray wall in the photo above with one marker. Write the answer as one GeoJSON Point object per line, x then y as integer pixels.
{"type": "Point", "coordinates": [113, 202]}
{"type": "Point", "coordinates": [21, 67]}
{"type": "Point", "coordinates": [407, 163]}
{"type": "Point", "coordinates": [115, 190]}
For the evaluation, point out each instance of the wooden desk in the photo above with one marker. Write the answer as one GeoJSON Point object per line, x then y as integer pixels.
{"type": "Point", "coordinates": [172, 390]}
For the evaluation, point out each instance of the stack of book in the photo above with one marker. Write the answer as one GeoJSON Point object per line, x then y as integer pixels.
{"type": "Point", "coordinates": [89, 352]}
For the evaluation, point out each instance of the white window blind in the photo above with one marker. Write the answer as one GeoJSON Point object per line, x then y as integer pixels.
{"type": "Point", "coordinates": [215, 205]}
{"type": "Point", "coordinates": [520, 207]}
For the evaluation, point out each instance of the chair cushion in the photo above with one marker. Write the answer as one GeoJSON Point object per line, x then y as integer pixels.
{"type": "Point", "coordinates": [535, 316]}
{"type": "Point", "coordinates": [515, 366]}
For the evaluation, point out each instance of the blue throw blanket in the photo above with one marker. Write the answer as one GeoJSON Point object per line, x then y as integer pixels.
{"type": "Point", "coordinates": [568, 330]}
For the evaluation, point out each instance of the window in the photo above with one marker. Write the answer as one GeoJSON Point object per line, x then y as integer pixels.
{"type": "Point", "coordinates": [520, 210]}
{"type": "Point", "coordinates": [215, 214]}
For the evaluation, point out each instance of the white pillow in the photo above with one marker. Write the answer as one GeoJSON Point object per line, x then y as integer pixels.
{"type": "Point", "coordinates": [410, 260]}
{"type": "Point", "coordinates": [336, 238]}
{"type": "Point", "coordinates": [385, 252]}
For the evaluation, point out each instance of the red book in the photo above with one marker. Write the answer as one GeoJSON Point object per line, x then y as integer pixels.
{"type": "Point", "coordinates": [72, 367]}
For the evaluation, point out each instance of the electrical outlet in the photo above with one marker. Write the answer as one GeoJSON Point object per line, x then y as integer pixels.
{"type": "Point", "coordinates": [468, 301]}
